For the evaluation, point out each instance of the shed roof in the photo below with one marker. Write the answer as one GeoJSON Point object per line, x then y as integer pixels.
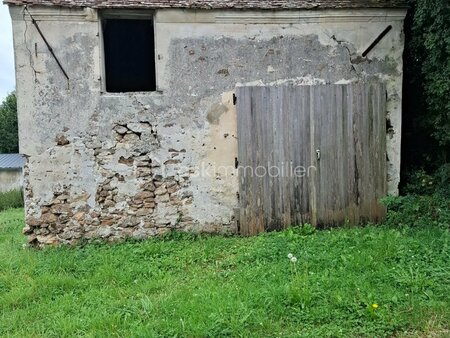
{"type": "Point", "coordinates": [216, 4]}
{"type": "Point", "coordinates": [12, 161]}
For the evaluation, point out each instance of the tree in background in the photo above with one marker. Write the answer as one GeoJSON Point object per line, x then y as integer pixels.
{"type": "Point", "coordinates": [9, 139]}
{"type": "Point", "coordinates": [426, 97]}
{"type": "Point", "coordinates": [430, 45]}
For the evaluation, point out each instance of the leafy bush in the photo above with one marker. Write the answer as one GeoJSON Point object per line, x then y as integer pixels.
{"type": "Point", "coordinates": [422, 183]}
{"type": "Point", "coordinates": [430, 48]}
{"type": "Point", "coordinates": [417, 211]}
{"type": "Point", "coordinates": [426, 108]}
{"type": "Point", "coordinates": [442, 179]}
{"type": "Point", "coordinates": [11, 199]}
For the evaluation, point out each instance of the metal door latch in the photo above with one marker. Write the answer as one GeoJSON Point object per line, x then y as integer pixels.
{"type": "Point", "coordinates": [318, 154]}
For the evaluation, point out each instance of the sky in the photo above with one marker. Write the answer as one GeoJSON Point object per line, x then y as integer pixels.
{"type": "Point", "coordinates": [7, 76]}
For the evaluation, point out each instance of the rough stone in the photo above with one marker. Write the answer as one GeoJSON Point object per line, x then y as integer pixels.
{"type": "Point", "coordinates": [173, 189]}
{"type": "Point", "coordinates": [143, 195]}
{"type": "Point", "coordinates": [104, 232]}
{"type": "Point", "coordinates": [162, 199]}
{"type": "Point", "coordinates": [144, 212]}
{"type": "Point", "coordinates": [48, 218]}
{"type": "Point", "coordinates": [149, 186]}
{"type": "Point", "coordinates": [61, 140]}
{"type": "Point", "coordinates": [33, 222]}
{"type": "Point", "coordinates": [161, 190]}
{"type": "Point", "coordinates": [121, 130]}
{"type": "Point", "coordinates": [59, 209]}
{"type": "Point", "coordinates": [79, 216]}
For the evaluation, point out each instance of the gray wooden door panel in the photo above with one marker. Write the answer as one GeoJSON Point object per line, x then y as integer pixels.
{"type": "Point", "coordinates": [281, 128]}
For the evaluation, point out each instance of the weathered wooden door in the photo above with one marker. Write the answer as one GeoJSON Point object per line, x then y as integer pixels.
{"type": "Point", "coordinates": [311, 154]}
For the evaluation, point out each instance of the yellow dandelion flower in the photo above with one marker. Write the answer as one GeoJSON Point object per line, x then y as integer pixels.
{"type": "Point", "coordinates": [375, 306]}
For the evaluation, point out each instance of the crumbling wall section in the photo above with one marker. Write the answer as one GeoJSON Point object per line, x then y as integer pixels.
{"type": "Point", "coordinates": [127, 196]}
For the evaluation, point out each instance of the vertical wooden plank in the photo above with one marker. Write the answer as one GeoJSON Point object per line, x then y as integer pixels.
{"type": "Point", "coordinates": [258, 103]}
{"type": "Point", "coordinates": [364, 188]}
{"type": "Point", "coordinates": [305, 155]}
{"type": "Point", "coordinates": [382, 111]}
{"type": "Point", "coordinates": [292, 122]}
{"type": "Point", "coordinates": [268, 150]}
{"type": "Point", "coordinates": [313, 181]}
{"type": "Point", "coordinates": [333, 165]}
{"type": "Point", "coordinates": [370, 193]}
{"type": "Point", "coordinates": [299, 153]}
{"type": "Point", "coordinates": [357, 125]}
{"type": "Point", "coordinates": [277, 157]}
{"type": "Point", "coordinates": [243, 111]}
{"type": "Point", "coordinates": [326, 155]}
{"type": "Point", "coordinates": [372, 162]}
{"type": "Point", "coordinates": [340, 178]}
{"type": "Point", "coordinates": [380, 148]}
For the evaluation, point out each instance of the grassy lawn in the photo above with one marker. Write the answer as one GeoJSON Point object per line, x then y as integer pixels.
{"type": "Point", "coordinates": [203, 286]}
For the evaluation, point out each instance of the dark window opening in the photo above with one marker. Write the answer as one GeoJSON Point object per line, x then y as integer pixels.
{"type": "Point", "coordinates": [129, 51]}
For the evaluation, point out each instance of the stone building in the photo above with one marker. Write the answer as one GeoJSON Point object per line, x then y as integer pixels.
{"type": "Point", "coordinates": [11, 175]}
{"type": "Point", "coordinates": [127, 109]}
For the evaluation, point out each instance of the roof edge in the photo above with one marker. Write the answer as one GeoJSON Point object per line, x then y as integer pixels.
{"type": "Point", "coordinates": [215, 4]}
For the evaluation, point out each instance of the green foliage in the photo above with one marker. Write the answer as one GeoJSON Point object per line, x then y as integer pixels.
{"type": "Point", "coordinates": [426, 107]}
{"type": "Point", "coordinates": [298, 290]}
{"type": "Point", "coordinates": [422, 183]}
{"type": "Point", "coordinates": [9, 140]}
{"type": "Point", "coordinates": [204, 286]}
{"type": "Point", "coordinates": [430, 48]}
{"type": "Point", "coordinates": [442, 179]}
{"type": "Point", "coordinates": [300, 230]}
{"type": "Point", "coordinates": [418, 211]}
{"type": "Point", "coordinates": [11, 199]}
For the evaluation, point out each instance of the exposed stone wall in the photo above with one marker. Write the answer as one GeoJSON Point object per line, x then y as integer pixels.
{"type": "Point", "coordinates": [131, 198]}
{"type": "Point", "coordinates": [112, 166]}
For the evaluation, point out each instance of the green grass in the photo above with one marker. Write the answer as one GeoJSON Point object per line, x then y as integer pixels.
{"type": "Point", "coordinates": [11, 199]}
{"type": "Point", "coordinates": [203, 286]}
